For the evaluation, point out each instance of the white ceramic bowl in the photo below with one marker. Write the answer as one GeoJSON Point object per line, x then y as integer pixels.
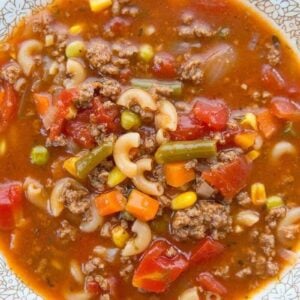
{"type": "Point", "coordinates": [284, 13]}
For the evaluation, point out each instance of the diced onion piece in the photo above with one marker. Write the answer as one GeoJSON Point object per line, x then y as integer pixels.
{"type": "Point", "coordinates": [190, 294]}
{"type": "Point", "coordinates": [76, 272]}
{"type": "Point", "coordinates": [281, 149]}
{"type": "Point", "coordinates": [218, 62]}
{"type": "Point", "coordinates": [247, 218]}
{"type": "Point", "coordinates": [289, 256]}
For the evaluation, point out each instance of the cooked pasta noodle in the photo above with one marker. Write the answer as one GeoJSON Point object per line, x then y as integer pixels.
{"type": "Point", "coordinates": [166, 118]}
{"type": "Point", "coordinates": [77, 72]}
{"type": "Point", "coordinates": [123, 145]}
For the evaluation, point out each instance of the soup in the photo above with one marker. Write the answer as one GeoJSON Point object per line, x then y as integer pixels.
{"type": "Point", "coordinates": [149, 149]}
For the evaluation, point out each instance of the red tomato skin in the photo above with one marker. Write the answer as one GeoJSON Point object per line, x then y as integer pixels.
{"type": "Point", "coordinates": [93, 287]}
{"type": "Point", "coordinates": [272, 79]}
{"type": "Point", "coordinates": [156, 271]}
{"type": "Point", "coordinates": [8, 107]}
{"type": "Point", "coordinates": [210, 283]}
{"type": "Point", "coordinates": [11, 199]}
{"type": "Point", "coordinates": [207, 249]}
{"type": "Point", "coordinates": [164, 65]}
{"type": "Point", "coordinates": [188, 128]}
{"type": "Point", "coordinates": [230, 178]}
{"type": "Point", "coordinates": [80, 133]}
{"type": "Point", "coordinates": [65, 99]}
{"type": "Point", "coordinates": [213, 113]}
{"type": "Point", "coordinates": [286, 109]}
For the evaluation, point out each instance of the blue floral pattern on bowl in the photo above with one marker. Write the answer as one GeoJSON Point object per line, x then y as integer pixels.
{"type": "Point", "coordinates": [285, 13]}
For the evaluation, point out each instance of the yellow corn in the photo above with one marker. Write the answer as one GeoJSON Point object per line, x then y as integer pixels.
{"type": "Point", "coordinates": [99, 5]}
{"type": "Point", "coordinates": [119, 236]}
{"type": "Point", "coordinates": [253, 154]}
{"type": "Point", "coordinates": [245, 140]}
{"type": "Point", "coordinates": [76, 29]}
{"type": "Point", "coordinates": [72, 113]}
{"type": "Point", "coordinates": [70, 165]}
{"type": "Point", "coordinates": [249, 121]}
{"type": "Point", "coordinates": [3, 147]}
{"type": "Point", "coordinates": [258, 194]}
{"type": "Point", "coordinates": [115, 177]}
{"type": "Point", "coordinates": [184, 200]}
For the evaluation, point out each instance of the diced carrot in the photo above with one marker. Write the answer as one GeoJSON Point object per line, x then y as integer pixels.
{"type": "Point", "coordinates": [110, 203]}
{"type": "Point", "coordinates": [42, 103]}
{"type": "Point", "coordinates": [177, 174]}
{"type": "Point", "coordinates": [268, 124]}
{"type": "Point", "coordinates": [142, 206]}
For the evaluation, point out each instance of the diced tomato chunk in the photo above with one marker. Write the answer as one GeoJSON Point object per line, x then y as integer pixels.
{"type": "Point", "coordinates": [272, 79]}
{"type": "Point", "coordinates": [11, 200]}
{"type": "Point", "coordinates": [8, 106]}
{"type": "Point", "coordinates": [63, 104]}
{"type": "Point", "coordinates": [109, 116]}
{"type": "Point", "coordinates": [206, 249]}
{"type": "Point", "coordinates": [157, 270]}
{"type": "Point", "coordinates": [268, 124]}
{"type": "Point", "coordinates": [80, 133]}
{"type": "Point", "coordinates": [188, 128]}
{"type": "Point", "coordinates": [229, 179]}
{"type": "Point", "coordinates": [284, 108]}
{"type": "Point", "coordinates": [213, 113]}
{"type": "Point", "coordinates": [210, 283]}
{"type": "Point", "coordinates": [164, 65]}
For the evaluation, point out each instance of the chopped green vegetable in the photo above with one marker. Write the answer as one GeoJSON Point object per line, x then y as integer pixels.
{"type": "Point", "coordinates": [290, 130]}
{"type": "Point", "coordinates": [146, 53]}
{"type": "Point", "coordinates": [39, 155]}
{"type": "Point", "coordinates": [130, 120]}
{"type": "Point", "coordinates": [115, 177]}
{"type": "Point", "coordinates": [274, 201]}
{"type": "Point", "coordinates": [88, 162]}
{"type": "Point", "coordinates": [186, 150]}
{"type": "Point", "coordinates": [75, 49]}
{"type": "Point", "coordinates": [175, 86]}
{"type": "Point", "coordinates": [223, 32]}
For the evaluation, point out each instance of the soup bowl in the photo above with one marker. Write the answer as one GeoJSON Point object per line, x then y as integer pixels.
{"type": "Point", "coordinates": [285, 16]}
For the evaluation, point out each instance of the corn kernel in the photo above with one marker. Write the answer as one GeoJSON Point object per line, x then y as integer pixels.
{"type": "Point", "coordinates": [258, 194]}
{"type": "Point", "coordinates": [49, 40]}
{"type": "Point", "coordinates": [274, 201]}
{"type": "Point", "coordinates": [119, 236]}
{"type": "Point", "coordinates": [184, 200]}
{"type": "Point", "coordinates": [115, 177]}
{"type": "Point", "coordinates": [72, 113]}
{"type": "Point", "coordinates": [70, 165]}
{"type": "Point", "coordinates": [245, 140]}
{"type": "Point", "coordinates": [99, 5]}
{"type": "Point", "coordinates": [76, 29]}
{"type": "Point", "coordinates": [249, 121]}
{"type": "Point", "coordinates": [3, 147]}
{"type": "Point", "coordinates": [252, 155]}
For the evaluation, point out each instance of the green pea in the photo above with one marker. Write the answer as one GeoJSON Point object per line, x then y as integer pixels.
{"type": "Point", "coordinates": [146, 53]}
{"type": "Point", "coordinates": [39, 155]}
{"type": "Point", "coordinates": [130, 120]}
{"type": "Point", "coordinates": [75, 49]}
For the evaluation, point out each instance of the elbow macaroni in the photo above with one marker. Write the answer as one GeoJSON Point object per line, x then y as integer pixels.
{"type": "Point", "coordinates": [142, 98]}
{"type": "Point", "coordinates": [142, 240]}
{"type": "Point", "coordinates": [142, 183]}
{"type": "Point", "coordinates": [25, 55]}
{"type": "Point", "coordinates": [36, 193]}
{"type": "Point", "coordinates": [122, 148]}
{"type": "Point", "coordinates": [77, 72]}
{"type": "Point", "coordinates": [167, 116]}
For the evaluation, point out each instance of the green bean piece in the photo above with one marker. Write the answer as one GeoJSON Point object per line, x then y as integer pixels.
{"type": "Point", "coordinates": [186, 150]}
{"type": "Point", "coordinates": [91, 160]}
{"type": "Point", "coordinates": [290, 130]}
{"type": "Point", "coordinates": [146, 84]}
{"type": "Point", "coordinates": [130, 120]}
{"type": "Point", "coordinates": [39, 155]}
{"type": "Point", "coordinates": [274, 202]}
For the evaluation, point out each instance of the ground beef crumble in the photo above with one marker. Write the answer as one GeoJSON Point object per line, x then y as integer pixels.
{"type": "Point", "coordinates": [11, 72]}
{"type": "Point", "coordinates": [66, 232]}
{"type": "Point", "coordinates": [205, 218]}
{"type": "Point", "coordinates": [273, 53]}
{"type": "Point", "coordinates": [192, 71]}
